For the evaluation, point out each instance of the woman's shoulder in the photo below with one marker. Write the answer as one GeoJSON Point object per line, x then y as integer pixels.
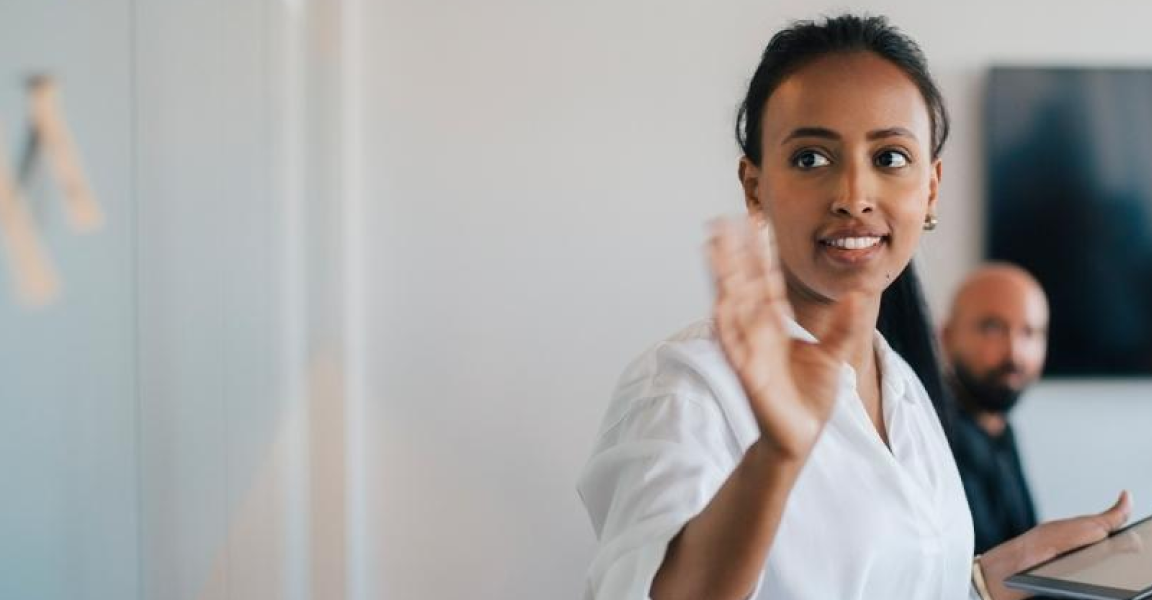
{"type": "Point", "coordinates": [689, 360]}
{"type": "Point", "coordinates": [688, 366]}
{"type": "Point", "coordinates": [682, 363]}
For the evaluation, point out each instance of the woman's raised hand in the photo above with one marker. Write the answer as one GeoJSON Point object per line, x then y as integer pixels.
{"type": "Point", "coordinates": [791, 385]}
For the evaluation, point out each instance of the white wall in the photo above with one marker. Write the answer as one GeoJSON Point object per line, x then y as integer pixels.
{"type": "Point", "coordinates": [1084, 441]}
{"type": "Point", "coordinates": [540, 176]}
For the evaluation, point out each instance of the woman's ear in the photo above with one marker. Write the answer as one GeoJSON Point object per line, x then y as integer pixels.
{"type": "Point", "coordinates": [749, 175]}
{"type": "Point", "coordinates": [934, 186]}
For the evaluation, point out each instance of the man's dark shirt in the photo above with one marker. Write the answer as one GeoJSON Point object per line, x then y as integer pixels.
{"type": "Point", "coordinates": [993, 481]}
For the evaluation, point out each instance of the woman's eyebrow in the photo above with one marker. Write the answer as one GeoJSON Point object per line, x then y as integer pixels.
{"type": "Point", "coordinates": [890, 132]}
{"type": "Point", "coordinates": [828, 134]}
{"type": "Point", "coordinates": [816, 132]}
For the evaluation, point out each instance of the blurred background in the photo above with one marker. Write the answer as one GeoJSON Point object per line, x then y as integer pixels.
{"type": "Point", "coordinates": [367, 271]}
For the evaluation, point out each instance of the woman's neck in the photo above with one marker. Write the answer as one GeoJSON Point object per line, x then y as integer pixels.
{"type": "Point", "coordinates": [816, 315]}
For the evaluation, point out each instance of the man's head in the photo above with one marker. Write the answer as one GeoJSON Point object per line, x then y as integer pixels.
{"type": "Point", "coordinates": [997, 335]}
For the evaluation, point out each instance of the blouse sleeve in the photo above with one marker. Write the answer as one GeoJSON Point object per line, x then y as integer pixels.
{"type": "Point", "coordinates": [651, 471]}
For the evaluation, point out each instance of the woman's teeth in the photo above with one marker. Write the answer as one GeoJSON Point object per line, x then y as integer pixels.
{"type": "Point", "coordinates": [854, 243]}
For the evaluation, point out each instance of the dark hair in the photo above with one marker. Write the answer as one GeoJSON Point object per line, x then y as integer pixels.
{"type": "Point", "coordinates": [805, 41]}
{"type": "Point", "coordinates": [904, 320]}
{"type": "Point", "coordinates": [906, 324]}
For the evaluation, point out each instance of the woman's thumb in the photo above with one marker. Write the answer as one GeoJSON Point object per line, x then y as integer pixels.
{"type": "Point", "coordinates": [848, 321]}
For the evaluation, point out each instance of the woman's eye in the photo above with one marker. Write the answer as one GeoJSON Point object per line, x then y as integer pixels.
{"type": "Point", "coordinates": [892, 159]}
{"type": "Point", "coordinates": [810, 160]}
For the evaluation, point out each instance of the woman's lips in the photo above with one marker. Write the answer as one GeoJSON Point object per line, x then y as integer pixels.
{"type": "Point", "coordinates": [853, 250]}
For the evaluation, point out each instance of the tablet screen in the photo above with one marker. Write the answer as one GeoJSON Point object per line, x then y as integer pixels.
{"type": "Point", "coordinates": [1122, 561]}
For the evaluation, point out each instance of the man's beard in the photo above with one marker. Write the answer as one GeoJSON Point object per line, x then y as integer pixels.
{"type": "Point", "coordinates": [987, 393]}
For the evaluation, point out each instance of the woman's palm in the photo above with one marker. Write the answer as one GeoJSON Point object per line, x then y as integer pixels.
{"type": "Point", "coordinates": [790, 384]}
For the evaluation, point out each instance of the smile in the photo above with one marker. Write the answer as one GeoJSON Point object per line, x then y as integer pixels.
{"type": "Point", "coordinates": [853, 249]}
{"type": "Point", "coordinates": [853, 243]}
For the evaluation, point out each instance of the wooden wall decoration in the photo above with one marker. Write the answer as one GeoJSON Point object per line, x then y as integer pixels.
{"type": "Point", "coordinates": [35, 277]}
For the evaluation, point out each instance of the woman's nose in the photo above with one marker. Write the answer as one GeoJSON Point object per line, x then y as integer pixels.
{"type": "Point", "coordinates": [852, 195]}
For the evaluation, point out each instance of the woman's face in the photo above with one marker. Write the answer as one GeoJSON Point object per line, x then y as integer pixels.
{"type": "Point", "coordinates": [847, 175]}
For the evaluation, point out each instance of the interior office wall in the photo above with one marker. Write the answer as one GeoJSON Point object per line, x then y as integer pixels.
{"type": "Point", "coordinates": [172, 426]}
{"type": "Point", "coordinates": [212, 401]}
{"type": "Point", "coordinates": [540, 175]}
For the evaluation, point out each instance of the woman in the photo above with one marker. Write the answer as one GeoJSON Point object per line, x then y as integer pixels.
{"type": "Point", "coordinates": [784, 450]}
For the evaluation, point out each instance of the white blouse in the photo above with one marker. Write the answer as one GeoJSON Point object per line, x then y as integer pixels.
{"type": "Point", "coordinates": [862, 522]}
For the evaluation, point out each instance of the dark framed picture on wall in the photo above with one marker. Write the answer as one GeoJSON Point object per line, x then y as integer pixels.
{"type": "Point", "coordinates": [1069, 197]}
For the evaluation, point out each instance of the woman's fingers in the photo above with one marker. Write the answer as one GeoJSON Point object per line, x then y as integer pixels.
{"type": "Point", "coordinates": [749, 289]}
{"type": "Point", "coordinates": [769, 270]}
{"type": "Point", "coordinates": [849, 321]}
{"type": "Point", "coordinates": [730, 280]}
{"type": "Point", "coordinates": [743, 258]}
{"type": "Point", "coordinates": [723, 255]}
{"type": "Point", "coordinates": [746, 282]}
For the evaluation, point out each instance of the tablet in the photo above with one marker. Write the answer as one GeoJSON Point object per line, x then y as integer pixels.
{"type": "Point", "coordinates": [1116, 568]}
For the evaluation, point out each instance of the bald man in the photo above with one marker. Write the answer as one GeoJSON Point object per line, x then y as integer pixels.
{"type": "Point", "coordinates": [995, 340]}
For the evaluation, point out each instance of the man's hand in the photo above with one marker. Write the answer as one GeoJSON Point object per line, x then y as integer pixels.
{"type": "Point", "coordinates": [1047, 541]}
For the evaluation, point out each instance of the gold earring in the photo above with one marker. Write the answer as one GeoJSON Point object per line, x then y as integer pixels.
{"type": "Point", "coordinates": [930, 222]}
